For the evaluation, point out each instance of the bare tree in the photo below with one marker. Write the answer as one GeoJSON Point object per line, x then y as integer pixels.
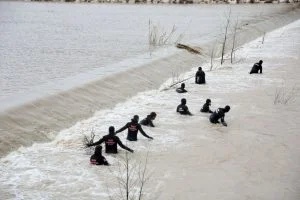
{"type": "Point", "coordinates": [131, 179]}
{"type": "Point", "coordinates": [225, 35]}
{"type": "Point", "coordinates": [212, 55]}
{"type": "Point", "coordinates": [234, 39]}
{"type": "Point", "coordinates": [263, 38]}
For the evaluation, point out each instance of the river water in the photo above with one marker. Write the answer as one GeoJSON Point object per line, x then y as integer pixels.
{"type": "Point", "coordinates": [49, 47]}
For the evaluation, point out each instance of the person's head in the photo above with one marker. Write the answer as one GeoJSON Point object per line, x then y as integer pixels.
{"type": "Point", "coordinates": [152, 115]}
{"type": "Point", "coordinates": [227, 108]}
{"type": "Point", "coordinates": [182, 85]}
{"type": "Point", "coordinates": [98, 150]}
{"type": "Point", "coordinates": [200, 68]}
{"type": "Point", "coordinates": [111, 130]}
{"type": "Point", "coordinates": [208, 101]}
{"type": "Point", "coordinates": [135, 119]}
{"type": "Point", "coordinates": [183, 101]}
{"type": "Point", "coordinates": [260, 62]}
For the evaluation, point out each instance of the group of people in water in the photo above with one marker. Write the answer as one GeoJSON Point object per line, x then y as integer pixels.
{"type": "Point", "coordinates": [112, 141]}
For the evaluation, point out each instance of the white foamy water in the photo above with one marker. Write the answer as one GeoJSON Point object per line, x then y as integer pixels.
{"type": "Point", "coordinates": [60, 169]}
{"type": "Point", "coordinates": [46, 48]}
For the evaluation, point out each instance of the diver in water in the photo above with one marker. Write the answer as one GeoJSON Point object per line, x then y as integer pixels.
{"type": "Point", "coordinates": [148, 120]}
{"type": "Point", "coordinates": [205, 107]}
{"type": "Point", "coordinates": [111, 142]}
{"type": "Point", "coordinates": [256, 67]}
{"type": "Point", "coordinates": [182, 108]}
{"type": "Point", "coordinates": [97, 158]}
{"type": "Point", "coordinates": [133, 128]}
{"type": "Point", "coordinates": [200, 76]}
{"type": "Point", "coordinates": [181, 89]}
{"type": "Point", "coordinates": [219, 114]}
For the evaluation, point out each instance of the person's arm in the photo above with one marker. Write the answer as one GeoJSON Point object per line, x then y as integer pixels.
{"type": "Point", "coordinates": [105, 162]}
{"type": "Point", "coordinates": [151, 123]}
{"type": "Point", "coordinates": [186, 110]}
{"type": "Point", "coordinates": [96, 143]}
{"type": "Point", "coordinates": [260, 69]}
{"type": "Point", "coordinates": [123, 146]}
{"type": "Point", "coordinates": [122, 129]}
{"type": "Point", "coordinates": [143, 133]}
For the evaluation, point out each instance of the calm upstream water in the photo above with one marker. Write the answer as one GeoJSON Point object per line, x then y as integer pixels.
{"type": "Point", "coordinates": [49, 47]}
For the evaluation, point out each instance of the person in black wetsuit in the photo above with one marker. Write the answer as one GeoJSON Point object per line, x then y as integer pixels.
{"type": "Point", "coordinates": [200, 76]}
{"type": "Point", "coordinates": [133, 128]}
{"type": "Point", "coordinates": [111, 142]}
{"type": "Point", "coordinates": [205, 107]}
{"type": "Point", "coordinates": [256, 67]}
{"type": "Point", "coordinates": [182, 108]}
{"type": "Point", "coordinates": [148, 120]}
{"type": "Point", "coordinates": [97, 158]}
{"type": "Point", "coordinates": [219, 114]}
{"type": "Point", "coordinates": [181, 89]}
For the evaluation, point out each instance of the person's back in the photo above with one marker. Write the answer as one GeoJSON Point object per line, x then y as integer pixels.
{"type": "Point", "coordinates": [181, 89]}
{"type": "Point", "coordinates": [111, 142]}
{"type": "Point", "coordinates": [205, 107]}
{"type": "Point", "coordinates": [257, 67]}
{"type": "Point", "coordinates": [182, 108]}
{"type": "Point", "coordinates": [133, 128]}
{"type": "Point", "coordinates": [148, 120]}
{"type": "Point", "coordinates": [200, 76]}
{"type": "Point", "coordinates": [219, 114]}
{"type": "Point", "coordinates": [97, 158]}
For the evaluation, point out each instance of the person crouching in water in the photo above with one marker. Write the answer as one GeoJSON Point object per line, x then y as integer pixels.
{"type": "Point", "coordinates": [148, 120]}
{"type": "Point", "coordinates": [181, 89]}
{"type": "Point", "coordinates": [133, 128]}
{"type": "Point", "coordinates": [256, 67]}
{"type": "Point", "coordinates": [219, 114]}
{"type": "Point", "coordinates": [111, 142]}
{"type": "Point", "coordinates": [97, 158]}
{"type": "Point", "coordinates": [205, 107]}
{"type": "Point", "coordinates": [182, 108]}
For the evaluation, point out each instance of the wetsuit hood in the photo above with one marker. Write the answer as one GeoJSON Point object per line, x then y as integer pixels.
{"type": "Point", "coordinates": [260, 62]}
{"type": "Point", "coordinates": [227, 108]}
{"type": "Point", "coordinates": [135, 119]}
{"type": "Point", "coordinates": [200, 68]}
{"type": "Point", "coordinates": [111, 130]}
{"type": "Point", "coordinates": [182, 85]}
{"type": "Point", "coordinates": [98, 150]}
{"type": "Point", "coordinates": [183, 101]}
{"type": "Point", "coordinates": [208, 101]}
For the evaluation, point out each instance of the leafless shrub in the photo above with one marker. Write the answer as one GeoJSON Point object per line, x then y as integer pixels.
{"type": "Point", "coordinates": [158, 36]}
{"type": "Point", "coordinates": [284, 95]}
{"type": "Point", "coordinates": [88, 140]}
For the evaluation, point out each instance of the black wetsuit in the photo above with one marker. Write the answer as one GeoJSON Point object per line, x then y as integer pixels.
{"type": "Point", "coordinates": [181, 90]}
{"type": "Point", "coordinates": [256, 67]}
{"type": "Point", "coordinates": [133, 129]}
{"type": "Point", "coordinates": [206, 109]}
{"type": "Point", "coordinates": [183, 109]}
{"type": "Point", "coordinates": [200, 77]}
{"type": "Point", "coordinates": [218, 114]}
{"type": "Point", "coordinates": [98, 160]}
{"type": "Point", "coordinates": [111, 143]}
{"type": "Point", "coordinates": [147, 121]}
